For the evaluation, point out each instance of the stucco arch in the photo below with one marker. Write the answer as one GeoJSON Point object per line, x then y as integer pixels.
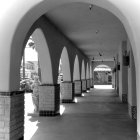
{"type": "Point", "coordinates": [76, 72]}
{"type": "Point", "coordinates": [87, 72]}
{"type": "Point", "coordinates": [44, 56]}
{"type": "Point", "coordinates": [110, 64]}
{"type": "Point", "coordinates": [65, 65]}
{"type": "Point", "coordinates": [83, 74]}
{"type": "Point", "coordinates": [100, 65]}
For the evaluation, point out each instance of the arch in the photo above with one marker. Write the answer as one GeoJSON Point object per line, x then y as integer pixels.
{"type": "Point", "coordinates": [87, 72]}
{"type": "Point", "coordinates": [65, 65]}
{"type": "Point", "coordinates": [107, 63]}
{"type": "Point", "coordinates": [103, 75]}
{"type": "Point", "coordinates": [102, 66]}
{"type": "Point", "coordinates": [44, 56]}
{"type": "Point", "coordinates": [76, 72]}
{"type": "Point", "coordinates": [83, 74]}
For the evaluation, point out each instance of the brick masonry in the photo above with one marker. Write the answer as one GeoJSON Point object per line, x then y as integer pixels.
{"type": "Point", "coordinates": [77, 88]}
{"type": "Point", "coordinates": [124, 98]}
{"type": "Point", "coordinates": [88, 83]}
{"type": "Point", "coordinates": [67, 92]}
{"type": "Point", "coordinates": [132, 111]}
{"type": "Point", "coordinates": [49, 100]}
{"type": "Point", "coordinates": [12, 115]}
{"type": "Point", "coordinates": [84, 85]}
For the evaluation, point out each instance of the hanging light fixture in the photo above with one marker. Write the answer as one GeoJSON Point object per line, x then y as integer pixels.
{"type": "Point", "coordinates": [90, 6]}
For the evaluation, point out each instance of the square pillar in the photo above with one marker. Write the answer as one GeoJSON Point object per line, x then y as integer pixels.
{"type": "Point", "coordinates": [12, 115]}
{"type": "Point", "coordinates": [84, 85]}
{"type": "Point", "coordinates": [67, 92]}
{"type": "Point", "coordinates": [49, 100]}
{"type": "Point", "coordinates": [88, 84]}
{"type": "Point", "coordinates": [91, 83]}
{"type": "Point", "coordinates": [78, 88]}
{"type": "Point", "coordinates": [124, 98]}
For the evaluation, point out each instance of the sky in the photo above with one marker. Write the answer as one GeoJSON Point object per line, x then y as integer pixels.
{"type": "Point", "coordinates": [30, 54]}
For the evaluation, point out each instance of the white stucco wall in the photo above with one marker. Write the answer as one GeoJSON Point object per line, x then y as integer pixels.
{"type": "Point", "coordinates": [123, 77]}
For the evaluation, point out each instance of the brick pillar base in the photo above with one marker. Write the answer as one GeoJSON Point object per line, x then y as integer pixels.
{"type": "Point", "coordinates": [49, 100]}
{"type": "Point", "coordinates": [67, 92]}
{"type": "Point", "coordinates": [88, 84]}
{"type": "Point", "coordinates": [84, 86]}
{"type": "Point", "coordinates": [124, 98]}
{"type": "Point", "coordinates": [78, 88]}
{"type": "Point", "coordinates": [132, 111]}
{"type": "Point", "coordinates": [91, 83]}
{"type": "Point", "coordinates": [12, 115]}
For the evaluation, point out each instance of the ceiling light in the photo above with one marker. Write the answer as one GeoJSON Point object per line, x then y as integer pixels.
{"type": "Point", "coordinates": [90, 6]}
{"type": "Point", "coordinates": [97, 31]}
{"type": "Point", "coordinates": [100, 54]}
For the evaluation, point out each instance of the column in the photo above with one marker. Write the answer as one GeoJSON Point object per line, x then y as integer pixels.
{"type": "Point", "coordinates": [78, 87]}
{"type": "Point", "coordinates": [91, 83]}
{"type": "Point", "coordinates": [67, 92]}
{"type": "Point", "coordinates": [113, 78]}
{"type": "Point", "coordinates": [88, 84]}
{"type": "Point", "coordinates": [12, 115]}
{"type": "Point", "coordinates": [117, 76]}
{"type": "Point", "coordinates": [84, 85]}
{"type": "Point", "coordinates": [49, 99]}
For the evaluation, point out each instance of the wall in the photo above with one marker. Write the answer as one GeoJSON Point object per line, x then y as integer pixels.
{"type": "Point", "coordinates": [131, 77]}
{"type": "Point", "coordinates": [123, 73]}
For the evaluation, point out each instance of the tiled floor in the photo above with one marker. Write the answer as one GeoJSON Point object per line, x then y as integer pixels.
{"type": "Point", "coordinates": [98, 115]}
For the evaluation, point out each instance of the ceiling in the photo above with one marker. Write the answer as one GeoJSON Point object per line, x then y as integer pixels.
{"type": "Point", "coordinates": [95, 31]}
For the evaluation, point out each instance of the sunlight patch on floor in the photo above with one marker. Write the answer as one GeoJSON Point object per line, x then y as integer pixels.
{"type": "Point", "coordinates": [62, 109]}
{"type": "Point", "coordinates": [103, 87]}
{"type": "Point", "coordinates": [30, 127]}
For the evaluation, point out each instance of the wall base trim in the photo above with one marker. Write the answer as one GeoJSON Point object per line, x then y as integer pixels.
{"type": "Point", "coordinates": [48, 113]}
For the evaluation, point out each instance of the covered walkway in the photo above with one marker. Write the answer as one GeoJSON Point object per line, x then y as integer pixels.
{"type": "Point", "coordinates": [98, 115]}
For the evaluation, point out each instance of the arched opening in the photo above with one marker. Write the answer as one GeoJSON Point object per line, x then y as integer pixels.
{"type": "Point", "coordinates": [91, 75]}
{"type": "Point", "coordinates": [83, 77]}
{"type": "Point", "coordinates": [42, 68]}
{"type": "Point", "coordinates": [91, 72]}
{"type": "Point", "coordinates": [83, 74]}
{"type": "Point", "coordinates": [87, 72]}
{"type": "Point", "coordinates": [65, 64]}
{"type": "Point", "coordinates": [66, 86]}
{"type": "Point", "coordinates": [102, 76]}
{"type": "Point", "coordinates": [76, 72]}
{"type": "Point", "coordinates": [88, 77]}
